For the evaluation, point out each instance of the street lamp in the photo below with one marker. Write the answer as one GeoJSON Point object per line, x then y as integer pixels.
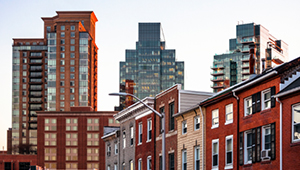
{"type": "Point", "coordinates": [161, 115]}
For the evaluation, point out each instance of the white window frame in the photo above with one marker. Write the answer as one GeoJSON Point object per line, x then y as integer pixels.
{"type": "Point", "coordinates": [149, 163]}
{"type": "Point", "coordinates": [293, 124]}
{"type": "Point", "coordinates": [115, 167]}
{"type": "Point", "coordinates": [183, 155]}
{"type": "Point", "coordinates": [230, 120]}
{"type": "Point", "coordinates": [246, 107]}
{"type": "Point", "coordinates": [124, 138]}
{"type": "Point", "coordinates": [140, 133]}
{"type": "Point", "coordinates": [212, 153]}
{"type": "Point", "coordinates": [230, 165]}
{"type": "Point", "coordinates": [109, 150]}
{"type": "Point", "coordinates": [131, 165]}
{"type": "Point", "coordinates": [263, 100]}
{"type": "Point", "coordinates": [196, 149]}
{"type": "Point", "coordinates": [215, 125]}
{"type": "Point", "coordinates": [131, 136]}
{"type": "Point", "coordinates": [195, 122]}
{"type": "Point", "coordinates": [140, 164]}
{"type": "Point", "coordinates": [263, 137]}
{"type": "Point", "coordinates": [183, 126]}
{"type": "Point", "coordinates": [246, 161]}
{"type": "Point", "coordinates": [149, 129]}
{"type": "Point", "coordinates": [116, 149]}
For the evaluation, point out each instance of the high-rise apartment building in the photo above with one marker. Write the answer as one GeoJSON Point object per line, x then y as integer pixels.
{"type": "Point", "coordinates": [150, 68]}
{"type": "Point", "coordinates": [53, 73]}
{"type": "Point", "coordinates": [233, 67]}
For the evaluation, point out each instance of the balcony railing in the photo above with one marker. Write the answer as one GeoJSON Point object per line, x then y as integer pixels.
{"type": "Point", "coordinates": [217, 78]}
{"type": "Point", "coordinates": [219, 72]}
{"type": "Point", "coordinates": [217, 67]}
{"type": "Point", "coordinates": [245, 65]}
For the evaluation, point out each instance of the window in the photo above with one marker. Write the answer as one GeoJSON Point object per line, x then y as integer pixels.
{"type": "Point", "coordinates": [72, 41]}
{"type": "Point", "coordinates": [197, 158]}
{"type": "Point", "coordinates": [72, 55]}
{"type": "Point", "coordinates": [149, 129]}
{"type": "Point", "coordinates": [108, 150]}
{"type": "Point", "coordinates": [229, 113]}
{"type": "Point", "coordinates": [197, 123]}
{"type": "Point", "coordinates": [62, 55]}
{"type": "Point", "coordinates": [72, 62]}
{"type": "Point", "coordinates": [108, 167]}
{"type": "Point", "coordinates": [171, 118]}
{"type": "Point", "coordinates": [116, 149]}
{"type": "Point", "coordinates": [171, 161]}
{"type": "Point", "coordinates": [62, 27]}
{"type": "Point", "coordinates": [140, 132]}
{"type": "Point", "coordinates": [62, 34]}
{"type": "Point", "coordinates": [123, 166]}
{"type": "Point", "coordinates": [72, 48]}
{"type": "Point", "coordinates": [72, 27]}
{"type": "Point", "coordinates": [184, 160]}
{"type": "Point", "coordinates": [229, 151]}
{"type": "Point", "coordinates": [161, 110]}
{"type": "Point", "coordinates": [72, 76]}
{"type": "Point", "coordinates": [215, 118]}
{"type": "Point", "coordinates": [62, 90]}
{"type": "Point", "coordinates": [48, 29]}
{"type": "Point", "coordinates": [266, 99]}
{"type": "Point", "coordinates": [184, 127]}
{"type": "Point", "coordinates": [72, 34]}
{"type": "Point", "coordinates": [296, 122]}
{"type": "Point", "coordinates": [266, 137]}
{"type": "Point", "coordinates": [62, 69]}
{"type": "Point", "coordinates": [62, 62]}
{"type": "Point", "coordinates": [248, 147]}
{"type": "Point", "coordinates": [149, 166]}
{"type": "Point", "coordinates": [62, 76]}
{"type": "Point", "coordinates": [140, 164]}
{"type": "Point", "coordinates": [72, 97]}
{"type": "Point", "coordinates": [62, 41]}
{"type": "Point", "coordinates": [115, 167]}
{"type": "Point", "coordinates": [62, 97]}
{"type": "Point", "coordinates": [215, 153]}
{"type": "Point", "coordinates": [124, 139]}
{"type": "Point", "coordinates": [72, 90]}
{"type": "Point", "coordinates": [62, 83]}
{"type": "Point", "coordinates": [72, 69]}
{"type": "Point", "coordinates": [248, 106]}
{"type": "Point", "coordinates": [131, 136]}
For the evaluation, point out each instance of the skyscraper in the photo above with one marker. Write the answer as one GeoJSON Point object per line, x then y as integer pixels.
{"type": "Point", "coordinates": [233, 67]}
{"type": "Point", "coordinates": [53, 73]}
{"type": "Point", "coordinates": [150, 67]}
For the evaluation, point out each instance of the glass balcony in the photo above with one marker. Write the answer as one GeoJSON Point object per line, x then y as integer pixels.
{"type": "Point", "coordinates": [217, 86]}
{"type": "Point", "coordinates": [219, 78]}
{"type": "Point", "coordinates": [246, 40]}
{"type": "Point", "coordinates": [217, 66]}
{"type": "Point", "coordinates": [245, 49]}
{"type": "Point", "coordinates": [217, 72]}
{"type": "Point", "coordinates": [245, 65]}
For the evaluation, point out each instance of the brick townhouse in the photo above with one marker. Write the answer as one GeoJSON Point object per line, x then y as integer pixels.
{"type": "Point", "coordinates": [71, 139]}
{"type": "Point", "coordinates": [112, 144]}
{"type": "Point", "coordinates": [256, 129]}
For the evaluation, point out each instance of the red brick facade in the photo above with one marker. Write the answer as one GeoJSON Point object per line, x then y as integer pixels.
{"type": "Point", "coordinates": [16, 160]}
{"type": "Point", "coordinates": [80, 144]}
{"type": "Point", "coordinates": [165, 100]}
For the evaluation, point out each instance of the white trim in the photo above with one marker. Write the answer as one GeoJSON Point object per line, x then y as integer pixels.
{"type": "Point", "coordinates": [182, 158]}
{"type": "Point", "coordinates": [231, 120]}
{"type": "Point", "coordinates": [143, 115]}
{"type": "Point", "coordinates": [245, 105]}
{"type": "Point", "coordinates": [246, 161]}
{"type": "Point", "coordinates": [195, 118]}
{"type": "Point", "coordinates": [140, 133]}
{"type": "Point", "coordinates": [148, 137]}
{"type": "Point", "coordinates": [263, 99]}
{"type": "Point", "coordinates": [212, 153]}
{"type": "Point", "coordinates": [212, 118]}
{"type": "Point", "coordinates": [195, 148]}
{"type": "Point", "coordinates": [226, 138]}
{"type": "Point", "coordinates": [148, 158]}
{"type": "Point", "coordinates": [263, 133]}
{"type": "Point", "coordinates": [140, 164]}
{"type": "Point", "coordinates": [294, 140]}
{"type": "Point", "coordinates": [182, 127]}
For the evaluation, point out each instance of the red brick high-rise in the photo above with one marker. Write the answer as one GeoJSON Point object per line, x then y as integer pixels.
{"type": "Point", "coordinates": [53, 73]}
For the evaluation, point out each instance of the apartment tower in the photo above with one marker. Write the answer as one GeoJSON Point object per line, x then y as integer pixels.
{"type": "Point", "coordinates": [233, 67]}
{"type": "Point", "coordinates": [53, 73]}
{"type": "Point", "coordinates": [150, 68]}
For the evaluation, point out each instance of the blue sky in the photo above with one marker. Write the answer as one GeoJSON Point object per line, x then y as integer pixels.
{"type": "Point", "coordinates": [197, 29]}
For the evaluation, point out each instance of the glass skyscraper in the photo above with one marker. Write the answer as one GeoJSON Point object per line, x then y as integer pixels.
{"type": "Point", "coordinates": [150, 68]}
{"type": "Point", "coordinates": [233, 67]}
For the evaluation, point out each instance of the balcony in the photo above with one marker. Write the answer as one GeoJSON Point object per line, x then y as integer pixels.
{"type": "Point", "coordinates": [36, 75]}
{"type": "Point", "coordinates": [245, 72]}
{"type": "Point", "coordinates": [245, 50]}
{"type": "Point", "coordinates": [35, 62]}
{"type": "Point", "coordinates": [218, 72]}
{"type": "Point", "coordinates": [248, 40]}
{"type": "Point", "coordinates": [217, 86]}
{"type": "Point", "coordinates": [245, 58]}
{"type": "Point", "coordinates": [217, 79]}
{"type": "Point", "coordinates": [245, 65]}
{"type": "Point", "coordinates": [218, 66]}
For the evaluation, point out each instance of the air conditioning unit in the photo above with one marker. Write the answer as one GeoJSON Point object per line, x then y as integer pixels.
{"type": "Point", "coordinates": [265, 155]}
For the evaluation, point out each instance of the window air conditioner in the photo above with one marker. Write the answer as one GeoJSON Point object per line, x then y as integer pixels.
{"type": "Point", "coordinates": [265, 155]}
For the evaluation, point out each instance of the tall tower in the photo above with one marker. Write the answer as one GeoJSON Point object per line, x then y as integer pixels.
{"type": "Point", "coordinates": [53, 73]}
{"type": "Point", "coordinates": [233, 67]}
{"type": "Point", "coordinates": [151, 67]}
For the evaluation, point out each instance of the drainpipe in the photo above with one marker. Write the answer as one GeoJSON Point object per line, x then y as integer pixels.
{"type": "Point", "coordinates": [277, 99]}
{"type": "Point", "coordinates": [238, 129]}
{"type": "Point", "coordinates": [202, 137]}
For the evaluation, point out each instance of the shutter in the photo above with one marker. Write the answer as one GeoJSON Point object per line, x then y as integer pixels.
{"type": "Point", "coordinates": [253, 103]}
{"type": "Point", "coordinates": [273, 91]}
{"type": "Point", "coordinates": [273, 147]}
{"type": "Point", "coordinates": [241, 149]}
{"type": "Point", "coordinates": [258, 102]}
{"type": "Point", "coordinates": [253, 145]}
{"type": "Point", "coordinates": [258, 144]}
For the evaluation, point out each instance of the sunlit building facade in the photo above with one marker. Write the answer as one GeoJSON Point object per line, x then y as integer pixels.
{"type": "Point", "coordinates": [53, 73]}
{"type": "Point", "coordinates": [233, 67]}
{"type": "Point", "coordinates": [150, 66]}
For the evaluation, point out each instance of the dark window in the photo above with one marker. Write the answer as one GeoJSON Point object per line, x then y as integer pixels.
{"type": "Point", "coordinates": [160, 163]}
{"type": "Point", "coordinates": [161, 110]}
{"type": "Point", "coordinates": [24, 165]}
{"type": "Point", "coordinates": [7, 166]}
{"type": "Point", "coordinates": [171, 118]}
{"type": "Point", "coordinates": [171, 162]}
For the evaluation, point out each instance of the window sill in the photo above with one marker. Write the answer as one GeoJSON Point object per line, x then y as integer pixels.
{"type": "Point", "coordinates": [215, 126]}
{"type": "Point", "coordinates": [295, 143]}
{"type": "Point", "coordinates": [265, 111]}
{"type": "Point", "coordinates": [228, 167]}
{"type": "Point", "coordinates": [247, 117]}
{"type": "Point", "coordinates": [148, 141]}
{"type": "Point", "coordinates": [228, 122]}
{"type": "Point", "coordinates": [216, 168]}
{"type": "Point", "coordinates": [139, 144]}
{"type": "Point", "coordinates": [247, 164]}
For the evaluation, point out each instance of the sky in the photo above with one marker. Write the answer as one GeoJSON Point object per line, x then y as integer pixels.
{"type": "Point", "coordinates": [196, 29]}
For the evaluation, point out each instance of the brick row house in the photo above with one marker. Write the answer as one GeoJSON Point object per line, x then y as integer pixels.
{"type": "Point", "coordinates": [246, 128]}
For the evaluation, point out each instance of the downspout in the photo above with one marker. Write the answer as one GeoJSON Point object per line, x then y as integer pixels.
{"type": "Point", "coordinates": [277, 99]}
{"type": "Point", "coordinates": [238, 129]}
{"type": "Point", "coordinates": [202, 137]}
